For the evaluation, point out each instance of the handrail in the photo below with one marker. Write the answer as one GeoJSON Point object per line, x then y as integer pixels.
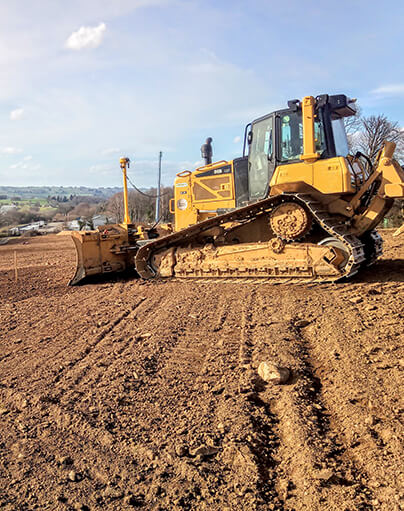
{"type": "Point", "coordinates": [211, 165]}
{"type": "Point", "coordinates": [184, 173]}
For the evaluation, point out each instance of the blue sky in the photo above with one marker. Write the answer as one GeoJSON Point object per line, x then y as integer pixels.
{"type": "Point", "coordinates": [86, 81]}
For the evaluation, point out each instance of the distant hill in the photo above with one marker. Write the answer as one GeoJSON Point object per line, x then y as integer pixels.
{"type": "Point", "coordinates": [42, 192]}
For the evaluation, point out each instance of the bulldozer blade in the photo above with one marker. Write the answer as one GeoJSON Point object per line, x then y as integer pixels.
{"type": "Point", "coordinates": [101, 252]}
{"type": "Point", "coordinates": [399, 231]}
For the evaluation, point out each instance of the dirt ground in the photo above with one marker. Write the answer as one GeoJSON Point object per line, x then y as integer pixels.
{"type": "Point", "coordinates": [122, 395]}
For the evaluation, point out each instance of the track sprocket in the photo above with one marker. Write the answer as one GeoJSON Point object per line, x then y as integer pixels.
{"type": "Point", "coordinates": [290, 221]}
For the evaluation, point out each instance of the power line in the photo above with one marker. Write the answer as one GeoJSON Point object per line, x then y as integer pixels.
{"type": "Point", "coordinates": [145, 194]}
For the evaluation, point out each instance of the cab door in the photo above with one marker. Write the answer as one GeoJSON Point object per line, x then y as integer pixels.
{"type": "Point", "coordinates": [261, 156]}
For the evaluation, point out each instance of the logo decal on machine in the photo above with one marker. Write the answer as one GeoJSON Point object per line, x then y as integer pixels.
{"type": "Point", "coordinates": [182, 204]}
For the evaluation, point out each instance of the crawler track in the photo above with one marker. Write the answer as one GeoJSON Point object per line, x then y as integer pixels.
{"type": "Point", "coordinates": [332, 225]}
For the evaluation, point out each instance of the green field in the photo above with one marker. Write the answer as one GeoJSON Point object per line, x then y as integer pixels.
{"type": "Point", "coordinates": [25, 202]}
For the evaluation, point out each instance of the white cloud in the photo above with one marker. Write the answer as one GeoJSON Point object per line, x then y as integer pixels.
{"type": "Point", "coordinates": [111, 151]}
{"type": "Point", "coordinates": [391, 90]}
{"type": "Point", "coordinates": [27, 158]}
{"type": "Point", "coordinates": [17, 114]}
{"type": "Point", "coordinates": [237, 139]}
{"type": "Point", "coordinates": [86, 37]}
{"type": "Point", "coordinates": [25, 166]}
{"type": "Point", "coordinates": [103, 169]}
{"type": "Point", "coordinates": [10, 150]}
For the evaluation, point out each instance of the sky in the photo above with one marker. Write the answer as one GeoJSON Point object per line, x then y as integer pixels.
{"type": "Point", "coordinates": [85, 82]}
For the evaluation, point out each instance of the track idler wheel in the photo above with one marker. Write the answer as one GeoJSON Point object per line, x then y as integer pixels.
{"type": "Point", "coordinates": [341, 251]}
{"type": "Point", "coordinates": [290, 221]}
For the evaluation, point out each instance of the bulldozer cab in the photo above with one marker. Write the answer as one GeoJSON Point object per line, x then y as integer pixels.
{"type": "Point", "coordinates": [304, 132]}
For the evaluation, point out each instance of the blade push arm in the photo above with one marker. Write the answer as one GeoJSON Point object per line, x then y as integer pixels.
{"type": "Point", "coordinates": [388, 178]}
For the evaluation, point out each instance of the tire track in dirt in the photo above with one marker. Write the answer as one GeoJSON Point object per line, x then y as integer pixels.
{"type": "Point", "coordinates": [197, 357]}
{"type": "Point", "coordinates": [105, 372]}
{"type": "Point", "coordinates": [336, 469]}
{"type": "Point", "coordinates": [42, 444]}
{"type": "Point", "coordinates": [364, 444]}
{"type": "Point", "coordinates": [232, 423]}
{"type": "Point", "coordinates": [173, 376]}
{"type": "Point", "coordinates": [128, 343]}
{"type": "Point", "coordinates": [310, 471]}
{"type": "Point", "coordinates": [168, 389]}
{"type": "Point", "coordinates": [108, 331]}
{"type": "Point", "coordinates": [60, 343]}
{"type": "Point", "coordinates": [42, 323]}
{"type": "Point", "coordinates": [85, 433]}
{"type": "Point", "coordinates": [261, 441]}
{"type": "Point", "coordinates": [264, 422]}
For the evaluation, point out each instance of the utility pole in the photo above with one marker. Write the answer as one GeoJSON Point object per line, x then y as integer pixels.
{"type": "Point", "coordinates": [158, 189]}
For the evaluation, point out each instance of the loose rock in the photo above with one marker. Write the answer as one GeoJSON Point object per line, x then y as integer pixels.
{"type": "Point", "coordinates": [113, 493]}
{"type": "Point", "coordinates": [371, 307]}
{"type": "Point", "coordinates": [272, 373]}
{"type": "Point", "coordinates": [355, 299]}
{"type": "Point", "coordinates": [81, 507]}
{"type": "Point", "coordinates": [301, 323]}
{"type": "Point", "coordinates": [217, 389]}
{"type": "Point", "coordinates": [325, 474]}
{"type": "Point", "coordinates": [64, 461]}
{"type": "Point", "coordinates": [144, 336]}
{"type": "Point", "coordinates": [203, 450]}
{"type": "Point", "coordinates": [181, 450]}
{"type": "Point", "coordinates": [370, 420]}
{"type": "Point", "coordinates": [73, 476]}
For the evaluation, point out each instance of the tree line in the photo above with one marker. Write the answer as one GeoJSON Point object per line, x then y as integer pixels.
{"type": "Point", "coordinates": [142, 206]}
{"type": "Point", "coordinates": [367, 134]}
{"type": "Point", "coordinates": [142, 209]}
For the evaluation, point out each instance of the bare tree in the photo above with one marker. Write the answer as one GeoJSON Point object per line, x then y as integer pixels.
{"type": "Point", "coordinates": [115, 206]}
{"type": "Point", "coordinates": [376, 129]}
{"type": "Point", "coordinates": [353, 126]}
{"type": "Point", "coordinates": [142, 206]}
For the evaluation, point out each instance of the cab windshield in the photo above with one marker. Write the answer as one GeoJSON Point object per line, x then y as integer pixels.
{"type": "Point", "coordinates": [340, 138]}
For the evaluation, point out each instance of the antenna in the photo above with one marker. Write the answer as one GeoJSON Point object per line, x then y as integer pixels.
{"type": "Point", "coordinates": [124, 163]}
{"type": "Point", "coordinates": [158, 189]}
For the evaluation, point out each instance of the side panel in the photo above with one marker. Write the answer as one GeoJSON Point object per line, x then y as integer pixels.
{"type": "Point", "coordinates": [198, 195]}
{"type": "Point", "coordinates": [184, 213]}
{"type": "Point", "coordinates": [330, 176]}
{"type": "Point", "coordinates": [213, 187]}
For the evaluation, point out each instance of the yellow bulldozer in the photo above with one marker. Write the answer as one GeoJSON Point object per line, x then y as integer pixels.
{"type": "Point", "coordinates": [295, 207]}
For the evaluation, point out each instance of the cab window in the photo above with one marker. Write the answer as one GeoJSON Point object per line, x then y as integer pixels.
{"type": "Point", "coordinates": [292, 136]}
{"type": "Point", "coordinates": [261, 149]}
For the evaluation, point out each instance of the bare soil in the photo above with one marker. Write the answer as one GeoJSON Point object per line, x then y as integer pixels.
{"type": "Point", "coordinates": [123, 394]}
